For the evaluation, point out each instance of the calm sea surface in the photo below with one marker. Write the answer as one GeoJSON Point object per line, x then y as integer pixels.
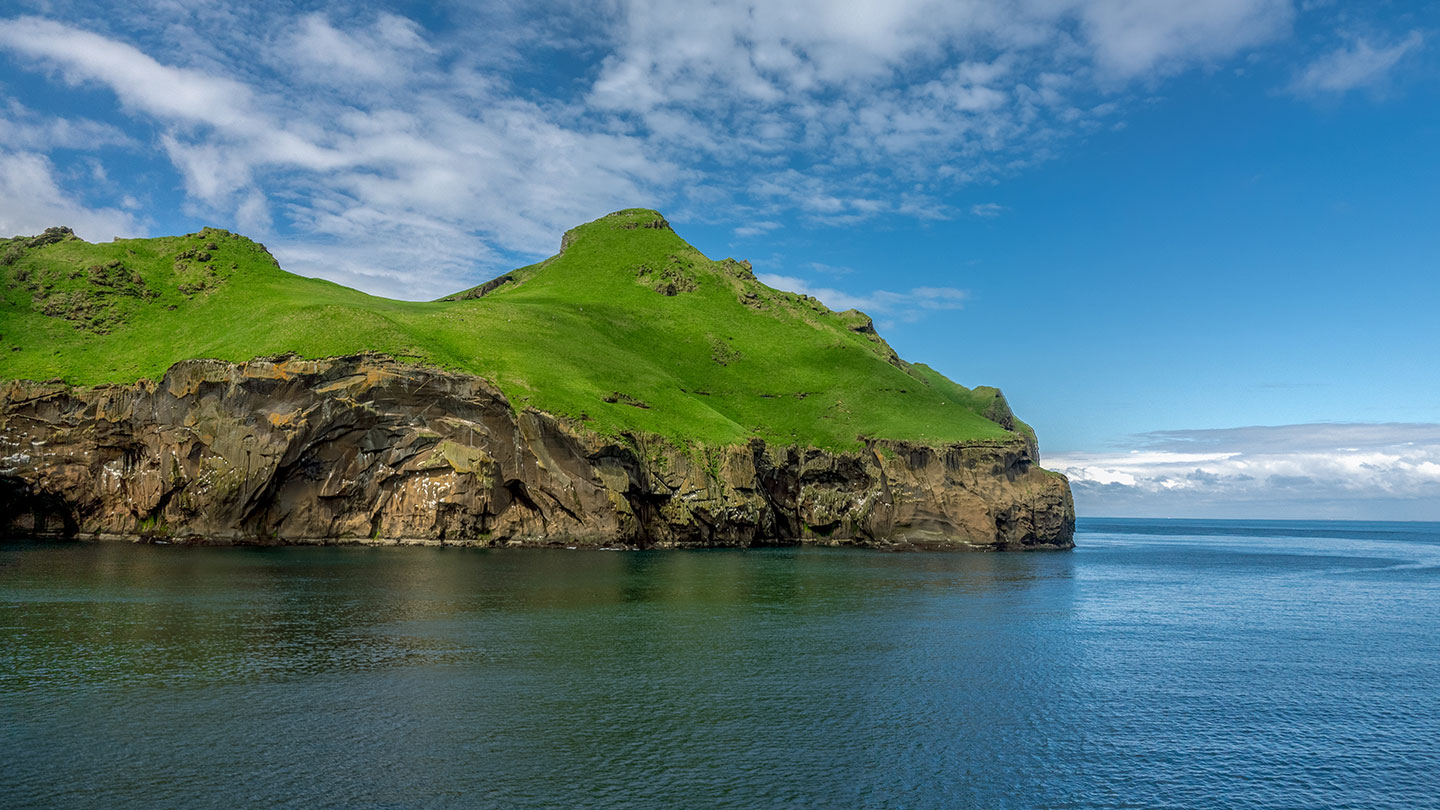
{"type": "Point", "coordinates": [1176, 664]}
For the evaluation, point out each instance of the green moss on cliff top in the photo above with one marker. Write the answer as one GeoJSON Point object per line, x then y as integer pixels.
{"type": "Point", "coordinates": [628, 328]}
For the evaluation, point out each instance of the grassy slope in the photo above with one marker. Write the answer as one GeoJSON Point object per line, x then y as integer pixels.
{"type": "Point", "coordinates": [724, 361]}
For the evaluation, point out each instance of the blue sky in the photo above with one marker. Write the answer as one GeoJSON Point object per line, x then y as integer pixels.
{"type": "Point", "coordinates": [1196, 244]}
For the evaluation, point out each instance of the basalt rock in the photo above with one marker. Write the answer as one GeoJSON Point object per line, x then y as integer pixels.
{"type": "Point", "coordinates": [363, 449]}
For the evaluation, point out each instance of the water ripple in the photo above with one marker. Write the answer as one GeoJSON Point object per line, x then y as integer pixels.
{"type": "Point", "coordinates": [1216, 666]}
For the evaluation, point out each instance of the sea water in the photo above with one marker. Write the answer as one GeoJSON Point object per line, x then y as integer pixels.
{"type": "Point", "coordinates": [1164, 664]}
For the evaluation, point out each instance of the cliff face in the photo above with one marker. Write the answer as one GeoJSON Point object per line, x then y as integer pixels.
{"type": "Point", "coordinates": [366, 450]}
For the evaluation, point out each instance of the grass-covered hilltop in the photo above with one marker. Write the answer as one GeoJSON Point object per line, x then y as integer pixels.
{"type": "Point", "coordinates": [627, 329]}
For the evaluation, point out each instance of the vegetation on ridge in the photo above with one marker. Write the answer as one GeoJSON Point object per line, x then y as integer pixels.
{"type": "Point", "coordinates": [629, 328]}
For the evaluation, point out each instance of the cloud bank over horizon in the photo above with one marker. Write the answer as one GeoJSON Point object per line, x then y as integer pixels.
{"type": "Point", "coordinates": [408, 157]}
{"type": "Point", "coordinates": [1387, 471]}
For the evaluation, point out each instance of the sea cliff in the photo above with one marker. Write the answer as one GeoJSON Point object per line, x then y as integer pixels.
{"type": "Point", "coordinates": [367, 450]}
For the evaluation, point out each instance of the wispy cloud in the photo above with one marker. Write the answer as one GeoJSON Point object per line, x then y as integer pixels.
{"type": "Point", "coordinates": [405, 196]}
{"type": "Point", "coordinates": [1356, 65]}
{"type": "Point", "coordinates": [31, 200]}
{"type": "Point", "coordinates": [886, 305]}
{"type": "Point", "coordinates": [1132, 37]}
{"type": "Point", "coordinates": [1281, 471]}
{"type": "Point", "coordinates": [365, 148]}
{"type": "Point", "coordinates": [24, 128]}
{"type": "Point", "coordinates": [759, 228]}
{"type": "Point", "coordinates": [382, 52]}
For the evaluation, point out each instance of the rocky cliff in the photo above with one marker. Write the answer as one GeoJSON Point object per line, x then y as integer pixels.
{"type": "Point", "coordinates": [363, 449]}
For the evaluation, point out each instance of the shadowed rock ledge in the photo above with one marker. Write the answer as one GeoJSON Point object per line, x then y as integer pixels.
{"type": "Point", "coordinates": [363, 449]}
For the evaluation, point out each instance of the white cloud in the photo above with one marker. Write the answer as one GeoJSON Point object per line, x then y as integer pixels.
{"type": "Point", "coordinates": [220, 132]}
{"type": "Point", "coordinates": [407, 196]}
{"type": "Point", "coordinates": [938, 297]}
{"type": "Point", "coordinates": [1359, 64]}
{"type": "Point", "coordinates": [933, 93]}
{"type": "Point", "coordinates": [31, 200]}
{"type": "Point", "coordinates": [382, 52]}
{"type": "Point", "coordinates": [147, 86]}
{"type": "Point", "coordinates": [679, 53]}
{"type": "Point", "coordinates": [338, 136]}
{"type": "Point", "coordinates": [988, 209]}
{"type": "Point", "coordinates": [24, 128]}
{"type": "Point", "coordinates": [903, 306]}
{"type": "Point", "coordinates": [833, 298]}
{"type": "Point", "coordinates": [1286, 470]}
{"type": "Point", "coordinates": [759, 228]}
{"type": "Point", "coordinates": [1131, 37]}
{"type": "Point", "coordinates": [919, 95]}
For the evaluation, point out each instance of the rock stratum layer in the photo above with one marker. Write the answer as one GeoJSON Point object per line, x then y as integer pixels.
{"type": "Point", "coordinates": [363, 449]}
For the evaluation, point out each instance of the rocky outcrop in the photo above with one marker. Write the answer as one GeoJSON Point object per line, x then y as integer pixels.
{"type": "Point", "coordinates": [367, 450]}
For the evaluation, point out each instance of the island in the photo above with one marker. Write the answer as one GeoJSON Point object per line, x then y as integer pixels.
{"type": "Point", "coordinates": [628, 392]}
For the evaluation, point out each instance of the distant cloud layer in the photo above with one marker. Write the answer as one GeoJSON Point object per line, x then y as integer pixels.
{"type": "Point", "coordinates": [405, 158]}
{"type": "Point", "coordinates": [1317, 470]}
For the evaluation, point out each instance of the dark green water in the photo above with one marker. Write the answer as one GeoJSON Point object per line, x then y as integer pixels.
{"type": "Point", "coordinates": [1178, 664]}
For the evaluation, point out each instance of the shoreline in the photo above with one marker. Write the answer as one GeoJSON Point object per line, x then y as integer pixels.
{"type": "Point", "coordinates": [111, 538]}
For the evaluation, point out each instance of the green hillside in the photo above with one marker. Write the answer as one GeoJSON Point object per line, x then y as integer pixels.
{"type": "Point", "coordinates": [628, 328]}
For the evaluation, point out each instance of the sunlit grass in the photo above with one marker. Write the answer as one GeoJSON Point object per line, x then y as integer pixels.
{"type": "Point", "coordinates": [585, 335]}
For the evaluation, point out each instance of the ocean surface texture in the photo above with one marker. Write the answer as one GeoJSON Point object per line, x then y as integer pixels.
{"type": "Point", "coordinates": [1162, 664]}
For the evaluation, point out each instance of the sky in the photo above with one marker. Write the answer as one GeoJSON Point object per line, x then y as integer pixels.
{"type": "Point", "coordinates": [1196, 244]}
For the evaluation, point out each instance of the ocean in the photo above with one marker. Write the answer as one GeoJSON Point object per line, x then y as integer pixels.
{"type": "Point", "coordinates": [1161, 664]}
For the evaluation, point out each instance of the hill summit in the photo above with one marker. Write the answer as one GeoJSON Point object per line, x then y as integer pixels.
{"type": "Point", "coordinates": [628, 337]}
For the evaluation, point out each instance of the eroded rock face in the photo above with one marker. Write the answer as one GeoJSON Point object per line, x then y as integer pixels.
{"type": "Point", "coordinates": [367, 450]}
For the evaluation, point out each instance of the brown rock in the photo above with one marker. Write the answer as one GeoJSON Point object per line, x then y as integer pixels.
{"type": "Point", "coordinates": [366, 450]}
